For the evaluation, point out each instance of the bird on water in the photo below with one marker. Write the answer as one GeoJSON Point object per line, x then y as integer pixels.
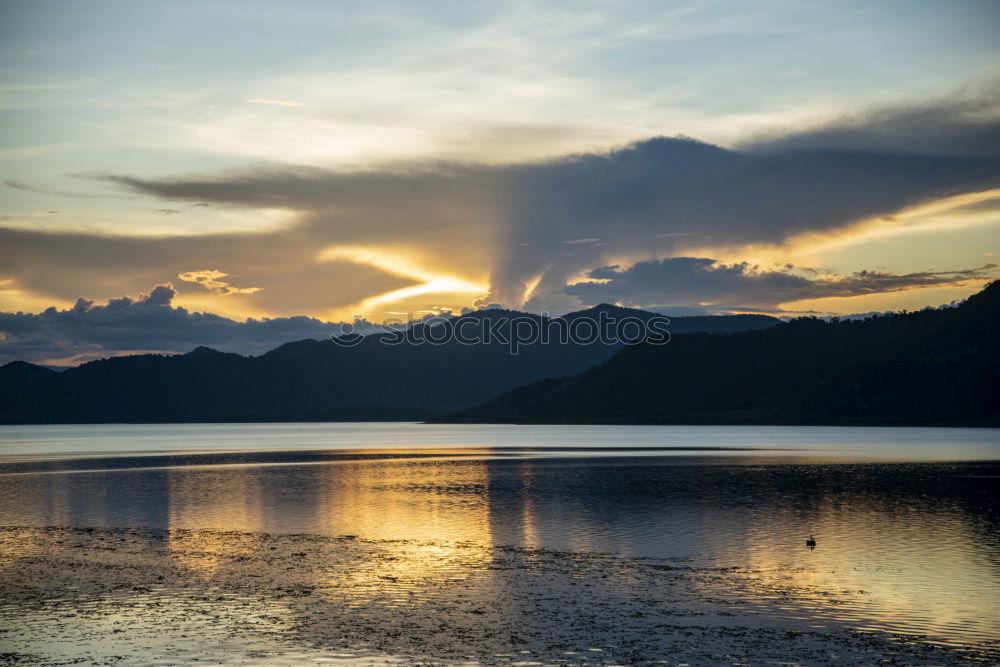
{"type": "Point", "coordinates": [811, 542]}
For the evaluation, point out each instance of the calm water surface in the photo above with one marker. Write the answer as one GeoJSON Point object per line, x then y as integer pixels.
{"type": "Point", "coordinates": [906, 518]}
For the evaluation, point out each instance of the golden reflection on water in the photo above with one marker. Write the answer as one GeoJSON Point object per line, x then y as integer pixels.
{"type": "Point", "coordinates": [905, 564]}
{"type": "Point", "coordinates": [187, 495]}
{"type": "Point", "coordinates": [875, 568]}
{"type": "Point", "coordinates": [421, 500]}
{"type": "Point", "coordinates": [432, 506]}
{"type": "Point", "coordinates": [529, 530]}
{"type": "Point", "coordinates": [429, 504]}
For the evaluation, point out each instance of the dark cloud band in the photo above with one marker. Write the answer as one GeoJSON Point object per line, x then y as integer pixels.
{"type": "Point", "coordinates": [149, 322]}
{"type": "Point", "coordinates": [683, 280]}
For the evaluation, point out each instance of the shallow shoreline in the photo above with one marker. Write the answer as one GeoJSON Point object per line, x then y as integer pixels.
{"type": "Point", "coordinates": [136, 596]}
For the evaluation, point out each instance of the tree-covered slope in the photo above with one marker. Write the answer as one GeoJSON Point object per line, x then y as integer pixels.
{"type": "Point", "coordinates": [928, 367]}
{"type": "Point", "coordinates": [430, 372]}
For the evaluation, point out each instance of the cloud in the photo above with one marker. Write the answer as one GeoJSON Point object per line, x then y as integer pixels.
{"type": "Point", "coordinates": [28, 187]}
{"type": "Point", "coordinates": [212, 280]}
{"type": "Point", "coordinates": [651, 199]}
{"type": "Point", "coordinates": [62, 265]}
{"type": "Point", "coordinates": [148, 322]}
{"type": "Point", "coordinates": [40, 150]}
{"type": "Point", "coordinates": [280, 103]}
{"type": "Point", "coordinates": [686, 280]}
{"type": "Point", "coordinates": [508, 225]}
{"type": "Point", "coordinates": [967, 123]}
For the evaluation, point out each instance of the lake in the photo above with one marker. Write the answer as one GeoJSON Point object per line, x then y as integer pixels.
{"type": "Point", "coordinates": [906, 519]}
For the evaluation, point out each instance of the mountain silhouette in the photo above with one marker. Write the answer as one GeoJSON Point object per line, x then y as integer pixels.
{"type": "Point", "coordinates": [928, 367]}
{"type": "Point", "coordinates": [383, 376]}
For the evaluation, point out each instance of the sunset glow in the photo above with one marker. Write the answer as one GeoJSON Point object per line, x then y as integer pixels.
{"type": "Point", "coordinates": [397, 160]}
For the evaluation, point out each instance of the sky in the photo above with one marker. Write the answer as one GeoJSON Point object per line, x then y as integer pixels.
{"type": "Point", "coordinates": [244, 173]}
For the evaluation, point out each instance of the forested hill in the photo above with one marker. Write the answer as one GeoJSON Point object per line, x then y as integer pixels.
{"type": "Point", "coordinates": [927, 367]}
{"type": "Point", "coordinates": [429, 373]}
